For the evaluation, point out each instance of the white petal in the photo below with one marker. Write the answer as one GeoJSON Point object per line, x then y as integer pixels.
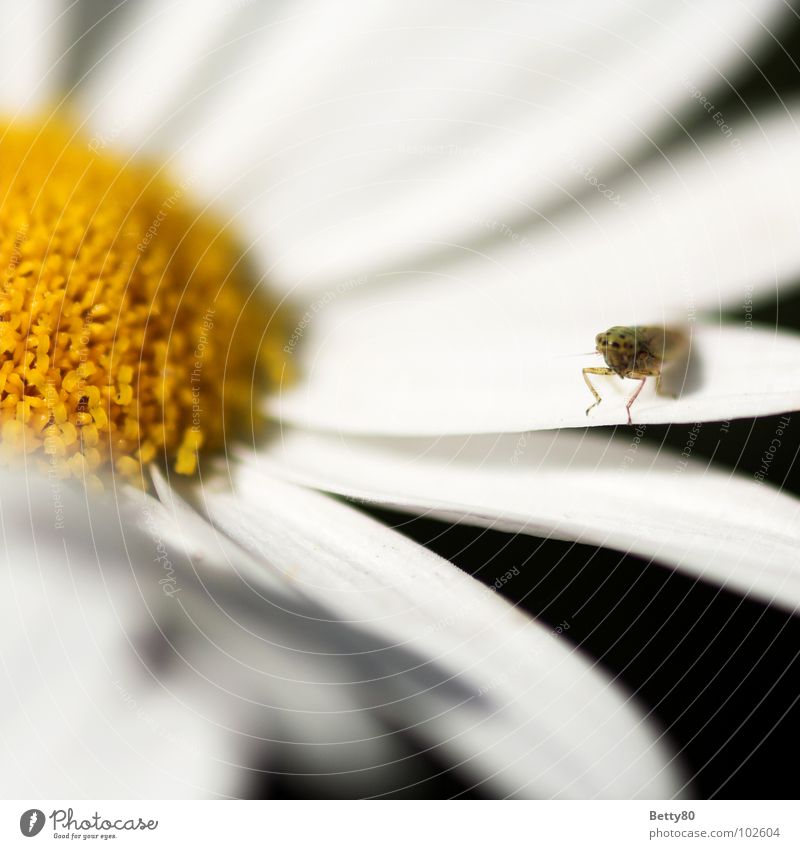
{"type": "Point", "coordinates": [617, 493]}
{"type": "Point", "coordinates": [484, 343]}
{"type": "Point", "coordinates": [118, 688]}
{"type": "Point", "coordinates": [85, 715]}
{"type": "Point", "coordinates": [305, 670]}
{"type": "Point", "coordinates": [32, 36]}
{"type": "Point", "coordinates": [411, 368]}
{"type": "Point", "coordinates": [349, 135]}
{"type": "Point", "coordinates": [146, 65]}
{"type": "Point", "coordinates": [293, 689]}
{"type": "Point", "coordinates": [494, 689]}
{"type": "Point", "coordinates": [704, 226]}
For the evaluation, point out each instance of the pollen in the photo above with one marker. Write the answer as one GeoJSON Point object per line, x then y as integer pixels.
{"type": "Point", "coordinates": [131, 327]}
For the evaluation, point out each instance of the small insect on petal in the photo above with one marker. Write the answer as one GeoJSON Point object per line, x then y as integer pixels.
{"type": "Point", "coordinates": [638, 353]}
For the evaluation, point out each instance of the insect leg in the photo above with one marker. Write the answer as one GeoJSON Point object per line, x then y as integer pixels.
{"type": "Point", "coordinates": [634, 396]}
{"type": "Point", "coordinates": [642, 374]}
{"type": "Point", "coordinates": [595, 370]}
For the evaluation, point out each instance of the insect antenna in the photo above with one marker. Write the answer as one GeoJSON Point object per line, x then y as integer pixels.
{"type": "Point", "coordinates": [572, 356]}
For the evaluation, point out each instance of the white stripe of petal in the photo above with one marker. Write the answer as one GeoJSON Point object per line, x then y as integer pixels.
{"type": "Point", "coordinates": [615, 492]}
{"type": "Point", "coordinates": [528, 709]}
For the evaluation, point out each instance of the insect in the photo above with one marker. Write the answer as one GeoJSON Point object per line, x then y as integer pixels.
{"type": "Point", "coordinates": [637, 353]}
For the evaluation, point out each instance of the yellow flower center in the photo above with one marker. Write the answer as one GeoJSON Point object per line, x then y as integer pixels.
{"type": "Point", "coordinates": [130, 330]}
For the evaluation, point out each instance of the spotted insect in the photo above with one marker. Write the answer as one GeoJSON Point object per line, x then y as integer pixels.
{"type": "Point", "coordinates": [637, 353]}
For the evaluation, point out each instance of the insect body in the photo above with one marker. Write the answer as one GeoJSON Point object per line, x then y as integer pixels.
{"type": "Point", "coordinates": [638, 353]}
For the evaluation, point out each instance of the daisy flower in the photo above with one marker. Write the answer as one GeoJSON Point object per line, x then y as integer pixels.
{"type": "Point", "coordinates": [261, 255]}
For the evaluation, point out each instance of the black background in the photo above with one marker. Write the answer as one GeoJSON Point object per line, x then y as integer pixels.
{"type": "Point", "coordinates": [720, 673]}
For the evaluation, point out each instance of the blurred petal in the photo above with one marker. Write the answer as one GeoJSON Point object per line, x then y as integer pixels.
{"type": "Point", "coordinates": [297, 691]}
{"type": "Point", "coordinates": [348, 136]}
{"type": "Point", "coordinates": [84, 715]}
{"type": "Point", "coordinates": [147, 60]}
{"type": "Point", "coordinates": [120, 689]}
{"type": "Point", "coordinates": [407, 368]}
{"type": "Point", "coordinates": [501, 695]}
{"type": "Point", "coordinates": [703, 226]}
{"type": "Point", "coordinates": [32, 35]}
{"type": "Point", "coordinates": [130, 674]}
{"type": "Point", "coordinates": [617, 493]}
